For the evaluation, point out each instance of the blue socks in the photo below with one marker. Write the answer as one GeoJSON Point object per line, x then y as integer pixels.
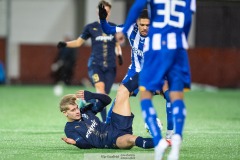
{"type": "Point", "coordinates": [149, 115]}
{"type": "Point", "coordinates": [179, 114]}
{"type": "Point", "coordinates": [109, 114]}
{"type": "Point", "coordinates": [168, 111]}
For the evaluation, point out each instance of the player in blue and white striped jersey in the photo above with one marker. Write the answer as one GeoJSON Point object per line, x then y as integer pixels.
{"type": "Point", "coordinates": [137, 36]}
{"type": "Point", "coordinates": [166, 56]}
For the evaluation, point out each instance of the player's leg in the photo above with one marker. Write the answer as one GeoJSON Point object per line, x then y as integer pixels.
{"type": "Point", "coordinates": [179, 114]}
{"type": "Point", "coordinates": [151, 79]}
{"type": "Point", "coordinates": [128, 141]}
{"type": "Point", "coordinates": [100, 88]}
{"type": "Point", "coordinates": [150, 116]}
{"type": "Point", "coordinates": [109, 113]}
{"type": "Point", "coordinates": [122, 104]}
{"type": "Point", "coordinates": [166, 95]}
{"type": "Point", "coordinates": [176, 79]}
{"type": "Point", "coordinates": [109, 77]}
{"type": "Point", "coordinates": [97, 78]}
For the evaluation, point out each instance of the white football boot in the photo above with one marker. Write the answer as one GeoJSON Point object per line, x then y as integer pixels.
{"type": "Point", "coordinates": [169, 135]}
{"type": "Point", "coordinates": [160, 149]}
{"type": "Point", "coordinates": [176, 144]}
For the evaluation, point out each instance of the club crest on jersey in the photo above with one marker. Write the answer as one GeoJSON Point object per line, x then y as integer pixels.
{"type": "Point", "coordinates": [104, 38]}
{"type": "Point", "coordinates": [91, 128]}
{"type": "Point", "coordinates": [85, 116]}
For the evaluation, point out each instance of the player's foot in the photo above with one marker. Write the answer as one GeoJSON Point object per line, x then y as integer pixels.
{"type": "Point", "coordinates": [176, 144]}
{"type": "Point", "coordinates": [160, 149]}
{"type": "Point", "coordinates": [169, 135]}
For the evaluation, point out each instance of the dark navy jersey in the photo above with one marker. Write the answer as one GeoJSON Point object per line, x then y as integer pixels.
{"type": "Point", "coordinates": [103, 46]}
{"type": "Point", "coordinates": [90, 132]}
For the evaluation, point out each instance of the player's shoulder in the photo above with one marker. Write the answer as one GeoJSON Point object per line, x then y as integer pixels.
{"type": "Point", "coordinates": [111, 23]}
{"type": "Point", "coordinates": [92, 25]}
{"type": "Point", "coordinates": [71, 125]}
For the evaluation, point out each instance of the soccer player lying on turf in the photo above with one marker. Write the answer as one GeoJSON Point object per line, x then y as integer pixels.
{"type": "Point", "coordinates": [85, 130]}
{"type": "Point", "coordinates": [137, 36]}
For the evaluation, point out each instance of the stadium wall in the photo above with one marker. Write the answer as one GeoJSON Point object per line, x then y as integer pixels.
{"type": "Point", "coordinates": [212, 66]}
{"type": "Point", "coordinates": [3, 50]}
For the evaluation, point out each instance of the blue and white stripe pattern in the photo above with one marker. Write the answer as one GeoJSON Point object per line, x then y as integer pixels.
{"type": "Point", "coordinates": [138, 44]}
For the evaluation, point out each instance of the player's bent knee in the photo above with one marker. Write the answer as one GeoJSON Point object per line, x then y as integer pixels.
{"type": "Point", "coordinates": [122, 91]}
{"type": "Point", "coordinates": [125, 141]}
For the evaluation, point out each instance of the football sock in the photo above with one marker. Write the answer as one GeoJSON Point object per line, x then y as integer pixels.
{"type": "Point", "coordinates": [144, 142]}
{"type": "Point", "coordinates": [169, 111]}
{"type": "Point", "coordinates": [179, 114]}
{"type": "Point", "coordinates": [109, 114]}
{"type": "Point", "coordinates": [149, 115]}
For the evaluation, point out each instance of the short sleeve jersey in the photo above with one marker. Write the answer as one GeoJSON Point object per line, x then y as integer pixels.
{"type": "Point", "coordinates": [103, 46]}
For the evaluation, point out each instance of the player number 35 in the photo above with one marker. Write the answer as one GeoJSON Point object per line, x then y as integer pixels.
{"type": "Point", "coordinates": [168, 11]}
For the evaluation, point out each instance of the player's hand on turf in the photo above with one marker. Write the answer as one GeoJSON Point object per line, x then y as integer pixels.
{"type": "Point", "coordinates": [61, 44]}
{"type": "Point", "coordinates": [69, 140]}
{"type": "Point", "coordinates": [102, 12]}
{"type": "Point", "coordinates": [120, 60]}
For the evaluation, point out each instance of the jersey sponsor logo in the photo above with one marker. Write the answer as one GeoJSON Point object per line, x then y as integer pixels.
{"type": "Point", "coordinates": [137, 51]}
{"type": "Point", "coordinates": [104, 38]}
{"type": "Point", "coordinates": [91, 128]}
{"type": "Point", "coordinates": [95, 29]}
{"type": "Point", "coordinates": [77, 126]}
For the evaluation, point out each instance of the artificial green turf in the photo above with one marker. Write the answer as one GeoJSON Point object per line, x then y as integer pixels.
{"type": "Point", "coordinates": [31, 125]}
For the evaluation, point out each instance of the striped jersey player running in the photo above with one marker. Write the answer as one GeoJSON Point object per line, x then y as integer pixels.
{"type": "Point", "coordinates": [137, 36]}
{"type": "Point", "coordinates": [166, 56]}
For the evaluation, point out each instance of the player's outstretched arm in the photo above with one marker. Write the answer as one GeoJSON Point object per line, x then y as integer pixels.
{"type": "Point", "coordinates": [71, 44]}
{"type": "Point", "coordinates": [106, 27]}
{"type": "Point", "coordinates": [133, 13]}
{"type": "Point", "coordinates": [86, 95]}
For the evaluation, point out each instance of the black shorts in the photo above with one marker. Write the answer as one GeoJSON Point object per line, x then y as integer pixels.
{"type": "Point", "coordinates": [102, 74]}
{"type": "Point", "coordinates": [121, 125]}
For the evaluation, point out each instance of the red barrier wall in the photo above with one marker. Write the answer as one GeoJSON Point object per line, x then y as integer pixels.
{"type": "Point", "coordinates": [36, 61]}
{"type": "Point", "coordinates": [213, 66]}
{"type": "Point", "coordinates": [3, 50]}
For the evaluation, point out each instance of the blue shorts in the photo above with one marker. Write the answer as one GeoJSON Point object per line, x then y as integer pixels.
{"type": "Point", "coordinates": [130, 81]}
{"type": "Point", "coordinates": [172, 64]}
{"type": "Point", "coordinates": [121, 125]}
{"type": "Point", "coordinates": [102, 74]}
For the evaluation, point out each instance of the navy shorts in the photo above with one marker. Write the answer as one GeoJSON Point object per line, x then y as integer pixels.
{"type": "Point", "coordinates": [102, 74]}
{"type": "Point", "coordinates": [121, 125]}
